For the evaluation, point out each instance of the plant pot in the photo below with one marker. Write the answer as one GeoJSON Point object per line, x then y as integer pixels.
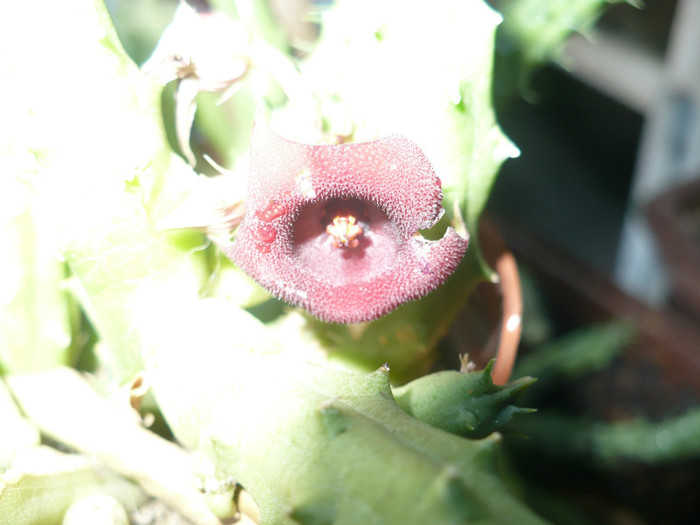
{"type": "Point", "coordinates": [489, 325]}
{"type": "Point", "coordinates": [656, 377]}
{"type": "Point", "coordinates": [674, 218]}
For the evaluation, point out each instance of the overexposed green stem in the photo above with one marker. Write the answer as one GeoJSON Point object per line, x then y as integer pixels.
{"type": "Point", "coordinates": [187, 90]}
{"type": "Point", "coordinates": [279, 67]}
{"type": "Point", "coordinates": [65, 407]}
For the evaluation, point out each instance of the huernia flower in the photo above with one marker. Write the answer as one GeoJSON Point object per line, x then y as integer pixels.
{"type": "Point", "coordinates": [335, 228]}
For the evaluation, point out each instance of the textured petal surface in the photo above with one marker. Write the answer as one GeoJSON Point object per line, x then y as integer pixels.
{"type": "Point", "coordinates": [387, 186]}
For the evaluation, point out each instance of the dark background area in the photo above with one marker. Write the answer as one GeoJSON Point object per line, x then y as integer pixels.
{"type": "Point", "coordinates": [578, 147]}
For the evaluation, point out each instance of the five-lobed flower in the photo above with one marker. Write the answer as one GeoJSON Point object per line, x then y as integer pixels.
{"type": "Point", "coordinates": [335, 228]}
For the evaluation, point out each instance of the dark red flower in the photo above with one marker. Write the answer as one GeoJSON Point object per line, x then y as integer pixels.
{"type": "Point", "coordinates": [334, 228]}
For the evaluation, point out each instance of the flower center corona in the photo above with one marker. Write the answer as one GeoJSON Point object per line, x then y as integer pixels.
{"type": "Point", "coordinates": [344, 231]}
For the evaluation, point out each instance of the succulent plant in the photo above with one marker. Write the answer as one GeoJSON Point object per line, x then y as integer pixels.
{"type": "Point", "coordinates": [330, 228]}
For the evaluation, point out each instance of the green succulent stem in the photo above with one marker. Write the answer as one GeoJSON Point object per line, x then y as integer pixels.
{"type": "Point", "coordinates": [311, 440]}
{"type": "Point", "coordinates": [315, 443]}
{"type": "Point", "coordinates": [467, 404]}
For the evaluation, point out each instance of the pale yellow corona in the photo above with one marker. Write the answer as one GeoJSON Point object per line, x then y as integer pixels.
{"type": "Point", "coordinates": [344, 231]}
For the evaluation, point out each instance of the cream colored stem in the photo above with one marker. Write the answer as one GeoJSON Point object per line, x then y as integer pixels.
{"type": "Point", "coordinates": [64, 406]}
